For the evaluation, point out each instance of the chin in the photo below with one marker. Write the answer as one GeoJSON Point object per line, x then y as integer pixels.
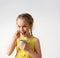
{"type": "Point", "coordinates": [24, 35]}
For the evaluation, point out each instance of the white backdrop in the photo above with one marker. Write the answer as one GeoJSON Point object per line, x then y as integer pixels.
{"type": "Point", "coordinates": [46, 14]}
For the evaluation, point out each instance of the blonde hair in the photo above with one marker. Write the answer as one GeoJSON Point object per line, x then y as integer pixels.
{"type": "Point", "coordinates": [28, 18]}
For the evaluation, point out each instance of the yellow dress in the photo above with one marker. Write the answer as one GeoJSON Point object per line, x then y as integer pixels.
{"type": "Point", "coordinates": [23, 53]}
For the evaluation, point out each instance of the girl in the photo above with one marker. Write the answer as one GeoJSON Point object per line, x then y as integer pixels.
{"type": "Point", "coordinates": [31, 46]}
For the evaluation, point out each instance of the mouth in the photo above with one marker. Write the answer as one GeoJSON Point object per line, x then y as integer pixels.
{"type": "Point", "coordinates": [23, 33]}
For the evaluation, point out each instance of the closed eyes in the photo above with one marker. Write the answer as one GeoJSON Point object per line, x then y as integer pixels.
{"type": "Point", "coordinates": [22, 26]}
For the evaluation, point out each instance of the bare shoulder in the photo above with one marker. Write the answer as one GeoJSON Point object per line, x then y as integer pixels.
{"type": "Point", "coordinates": [37, 43]}
{"type": "Point", "coordinates": [37, 40]}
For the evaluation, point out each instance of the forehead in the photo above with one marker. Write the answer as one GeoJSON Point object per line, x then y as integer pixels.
{"type": "Point", "coordinates": [21, 22]}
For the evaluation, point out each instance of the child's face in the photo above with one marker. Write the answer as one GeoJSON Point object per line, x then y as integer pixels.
{"type": "Point", "coordinates": [23, 27]}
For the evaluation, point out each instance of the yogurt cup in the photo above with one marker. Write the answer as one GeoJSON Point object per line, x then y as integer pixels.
{"type": "Point", "coordinates": [22, 44]}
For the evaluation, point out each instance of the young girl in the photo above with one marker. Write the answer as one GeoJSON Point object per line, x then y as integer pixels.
{"type": "Point", "coordinates": [30, 45]}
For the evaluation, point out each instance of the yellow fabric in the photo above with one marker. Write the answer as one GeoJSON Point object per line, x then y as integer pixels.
{"type": "Point", "coordinates": [23, 53]}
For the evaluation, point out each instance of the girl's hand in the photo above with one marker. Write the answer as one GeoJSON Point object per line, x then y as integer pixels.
{"type": "Point", "coordinates": [16, 34]}
{"type": "Point", "coordinates": [26, 47]}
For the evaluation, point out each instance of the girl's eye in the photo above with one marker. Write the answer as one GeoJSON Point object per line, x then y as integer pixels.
{"type": "Point", "coordinates": [18, 26]}
{"type": "Point", "coordinates": [24, 26]}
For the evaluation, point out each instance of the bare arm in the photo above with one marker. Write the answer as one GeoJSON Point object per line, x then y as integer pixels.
{"type": "Point", "coordinates": [12, 45]}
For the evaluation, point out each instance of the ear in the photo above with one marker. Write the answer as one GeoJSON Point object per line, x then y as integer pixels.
{"type": "Point", "coordinates": [30, 31]}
